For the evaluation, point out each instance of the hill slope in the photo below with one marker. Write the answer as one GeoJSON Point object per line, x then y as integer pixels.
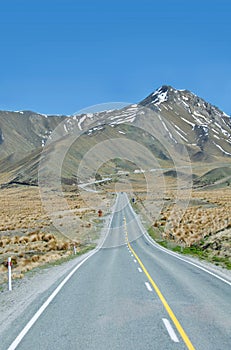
{"type": "Point", "coordinates": [164, 122]}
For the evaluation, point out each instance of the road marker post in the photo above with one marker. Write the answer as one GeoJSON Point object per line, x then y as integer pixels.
{"type": "Point", "coordinates": [9, 263]}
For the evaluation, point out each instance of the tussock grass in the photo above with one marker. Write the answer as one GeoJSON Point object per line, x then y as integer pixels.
{"type": "Point", "coordinates": [32, 251]}
{"type": "Point", "coordinates": [27, 234]}
{"type": "Point", "coordinates": [204, 229]}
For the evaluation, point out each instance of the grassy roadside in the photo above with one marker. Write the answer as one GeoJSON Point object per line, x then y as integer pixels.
{"type": "Point", "coordinates": [195, 250]}
{"type": "Point", "coordinates": [33, 240]}
{"type": "Point", "coordinates": [82, 250]}
{"type": "Point", "coordinates": [62, 260]}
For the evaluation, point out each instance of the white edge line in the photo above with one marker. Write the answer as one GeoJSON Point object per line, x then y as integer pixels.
{"type": "Point", "coordinates": [25, 330]}
{"type": "Point", "coordinates": [32, 321]}
{"type": "Point", "coordinates": [170, 330]}
{"type": "Point", "coordinates": [150, 240]}
{"type": "Point", "coordinates": [189, 262]}
{"type": "Point", "coordinates": [148, 286]}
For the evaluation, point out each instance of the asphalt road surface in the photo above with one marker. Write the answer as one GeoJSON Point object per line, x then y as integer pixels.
{"type": "Point", "coordinates": [130, 294]}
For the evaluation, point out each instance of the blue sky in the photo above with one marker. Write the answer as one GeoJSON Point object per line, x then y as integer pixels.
{"type": "Point", "coordinates": [59, 56]}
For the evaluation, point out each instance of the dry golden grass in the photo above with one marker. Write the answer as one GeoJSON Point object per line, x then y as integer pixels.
{"type": "Point", "coordinates": [21, 208]}
{"type": "Point", "coordinates": [207, 216]}
{"type": "Point", "coordinates": [207, 213]}
{"type": "Point", "coordinates": [30, 251]}
{"type": "Point", "coordinates": [27, 234]}
{"type": "Point", "coordinates": [198, 221]}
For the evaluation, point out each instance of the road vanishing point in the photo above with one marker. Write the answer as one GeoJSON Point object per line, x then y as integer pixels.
{"type": "Point", "coordinates": [130, 293]}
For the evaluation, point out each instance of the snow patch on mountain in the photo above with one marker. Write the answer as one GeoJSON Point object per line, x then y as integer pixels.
{"type": "Point", "coordinates": [180, 130]}
{"type": "Point", "coordinates": [188, 122]}
{"type": "Point", "coordinates": [81, 120]}
{"type": "Point", "coordinates": [224, 132]}
{"type": "Point", "coordinates": [160, 95]}
{"type": "Point", "coordinates": [225, 152]}
{"type": "Point", "coordinates": [20, 112]}
{"type": "Point", "coordinates": [184, 138]}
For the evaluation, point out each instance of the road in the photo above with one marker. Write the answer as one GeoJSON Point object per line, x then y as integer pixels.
{"type": "Point", "coordinates": [131, 294]}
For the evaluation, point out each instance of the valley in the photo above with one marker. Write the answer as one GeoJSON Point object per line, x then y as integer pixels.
{"type": "Point", "coordinates": [171, 153]}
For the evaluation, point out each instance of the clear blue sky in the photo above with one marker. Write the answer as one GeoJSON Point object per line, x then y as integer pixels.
{"type": "Point", "coordinates": [59, 56]}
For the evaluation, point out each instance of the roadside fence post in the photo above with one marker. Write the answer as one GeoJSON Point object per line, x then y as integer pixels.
{"type": "Point", "coordinates": [9, 274]}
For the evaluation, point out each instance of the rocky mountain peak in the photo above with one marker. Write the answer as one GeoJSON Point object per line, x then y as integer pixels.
{"type": "Point", "coordinates": [169, 95]}
{"type": "Point", "coordinates": [157, 97]}
{"type": "Point", "coordinates": [203, 127]}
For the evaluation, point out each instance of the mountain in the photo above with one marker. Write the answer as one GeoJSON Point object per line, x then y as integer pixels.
{"type": "Point", "coordinates": [24, 131]}
{"type": "Point", "coordinates": [200, 125]}
{"type": "Point", "coordinates": [165, 123]}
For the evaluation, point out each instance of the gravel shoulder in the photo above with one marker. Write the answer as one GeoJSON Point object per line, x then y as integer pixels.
{"type": "Point", "coordinates": [34, 284]}
{"type": "Point", "coordinates": [25, 291]}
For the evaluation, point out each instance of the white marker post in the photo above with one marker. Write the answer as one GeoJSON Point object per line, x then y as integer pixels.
{"type": "Point", "coordinates": [9, 274]}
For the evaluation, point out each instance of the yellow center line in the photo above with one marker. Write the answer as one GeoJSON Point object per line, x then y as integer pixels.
{"type": "Point", "coordinates": [160, 295]}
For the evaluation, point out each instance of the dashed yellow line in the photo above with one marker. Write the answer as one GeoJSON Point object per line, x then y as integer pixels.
{"type": "Point", "coordinates": [160, 295]}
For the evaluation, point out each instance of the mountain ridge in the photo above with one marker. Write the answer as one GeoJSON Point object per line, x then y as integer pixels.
{"type": "Point", "coordinates": [183, 118]}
